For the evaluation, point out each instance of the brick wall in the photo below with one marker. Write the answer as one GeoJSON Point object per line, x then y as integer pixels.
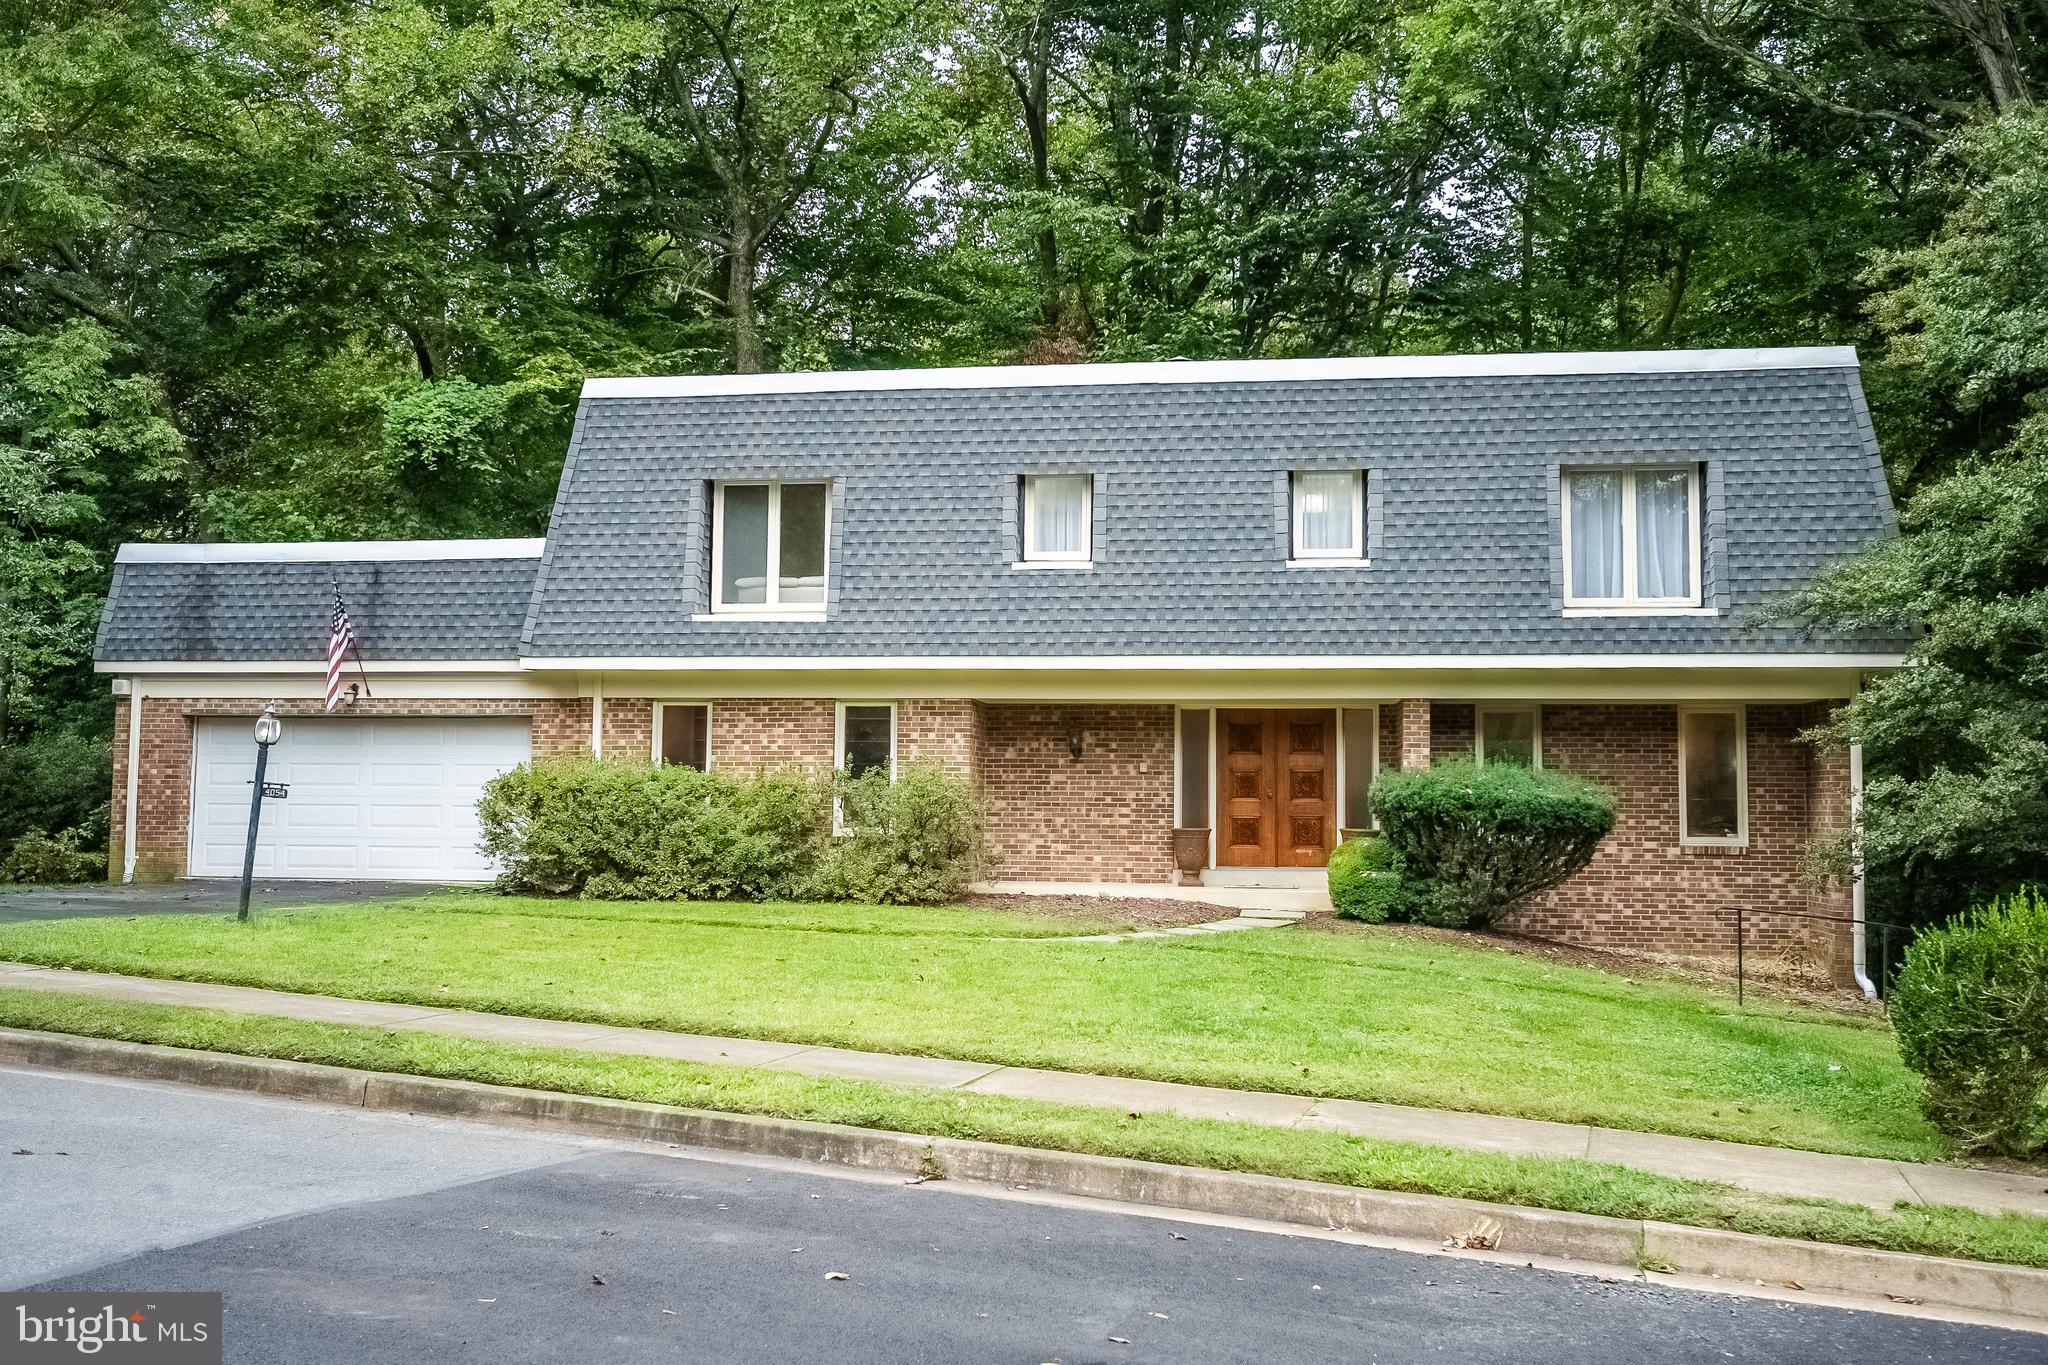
{"type": "Point", "coordinates": [948, 733]}
{"type": "Point", "coordinates": [628, 728]}
{"type": "Point", "coordinates": [1105, 816]}
{"type": "Point", "coordinates": [1412, 726]}
{"type": "Point", "coordinates": [1643, 889]}
{"type": "Point", "coordinates": [163, 794]}
{"type": "Point", "coordinates": [764, 734]}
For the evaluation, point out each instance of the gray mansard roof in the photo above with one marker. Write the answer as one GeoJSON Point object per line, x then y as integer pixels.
{"type": "Point", "coordinates": [406, 600]}
{"type": "Point", "coordinates": [1190, 464]}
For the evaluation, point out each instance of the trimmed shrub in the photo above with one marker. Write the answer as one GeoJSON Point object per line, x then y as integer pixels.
{"type": "Point", "coordinates": [49, 859]}
{"type": "Point", "coordinates": [1472, 841]}
{"type": "Point", "coordinates": [1366, 882]}
{"type": "Point", "coordinates": [635, 831]}
{"type": "Point", "coordinates": [1970, 1007]}
{"type": "Point", "coordinates": [914, 841]}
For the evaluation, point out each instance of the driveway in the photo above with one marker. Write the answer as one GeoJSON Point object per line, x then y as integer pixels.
{"type": "Point", "coordinates": [188, 897]}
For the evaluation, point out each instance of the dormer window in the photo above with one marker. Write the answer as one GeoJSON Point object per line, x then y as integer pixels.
{"type": "Point", "coordinates": [1632, 537]}
{"type": "Point", "coordinates": [1329, 514]}
{"type": "Point", "coordinates": [768, 544]}
{"type": "Point", "coordinates": [1058, 510]}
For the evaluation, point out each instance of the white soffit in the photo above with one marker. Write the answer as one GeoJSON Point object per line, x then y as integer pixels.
{"type": "Point", "coordinates": [330, 551]}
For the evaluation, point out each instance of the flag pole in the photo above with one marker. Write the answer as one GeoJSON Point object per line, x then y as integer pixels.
{"type": "Point", "coordinates": [355, 644]}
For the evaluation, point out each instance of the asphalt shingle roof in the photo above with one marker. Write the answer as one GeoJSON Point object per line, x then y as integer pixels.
{"type": "Point", "coordinates": [442, 608]}
{"type": "Point", "coordinates": [1191, 513]}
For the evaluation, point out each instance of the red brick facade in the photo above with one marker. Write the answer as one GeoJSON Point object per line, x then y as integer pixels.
{"type": "Point", "coordinates": [1084, 792]}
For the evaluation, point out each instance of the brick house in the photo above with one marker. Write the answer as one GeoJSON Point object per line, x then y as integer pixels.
{"type": "Point", "coordinates": [1124, 598]}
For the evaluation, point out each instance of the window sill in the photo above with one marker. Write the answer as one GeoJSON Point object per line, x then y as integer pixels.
{"type": "Point", "coordinates": [1333, 562]}
{"type": "Point", "coordinates": [1641, 611]}
{"type": "Point", "coordinates": [1714, 845]}
{"type": "Point", "coordinates": [758, 616]}
{"type": "Point", "coordinates": [1078, 565]}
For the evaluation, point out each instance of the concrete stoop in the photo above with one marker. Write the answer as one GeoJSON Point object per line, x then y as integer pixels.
{"type": "Point", "coordinates": [2001, 1295]}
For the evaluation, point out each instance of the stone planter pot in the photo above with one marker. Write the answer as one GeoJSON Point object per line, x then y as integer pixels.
{"type": "Point", "coordinates": [1191, 854]}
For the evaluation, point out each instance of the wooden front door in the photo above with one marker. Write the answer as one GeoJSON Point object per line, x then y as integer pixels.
{"type": "Point", "coordinates": [1276, 779]}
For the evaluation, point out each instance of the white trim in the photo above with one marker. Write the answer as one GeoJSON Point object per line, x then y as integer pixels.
{"type": "Point", "coordinates": [1481, 712]}
{"type": "Point", "coordinates": [839, 733]}
{"type": "Point", "coordinates": [1641, 611]}
{"type": "Point", "coordinates": [134, 780]}
{"type": "Point", "coordinates": [659, 707]}
{"type": "Point", "coordinates": [1220, 663]}
{"type": "Point", "coordinates": [1082, 564]}
{"type": "Point", "coordinates": [772, 609]}
{"type": "Point", "coordinates": [130, 667]}
{"type": "Point", "coordinates": [1227, 372]}
{"type": "Point", "coordinates": [1333, 562]}
{"type": "Point", "coordinates": [597, 715]}
{"type": "Point", "coordinates": [1084, 556]}
{"type": "Point", "coordinates": [320, 551]}
{"type": "Point", "coordinates": [1354, 553]}
{"type": "Point", "coordinates": [1629, 565]}
{"type": "Point", "coordinates": [1740, 839]}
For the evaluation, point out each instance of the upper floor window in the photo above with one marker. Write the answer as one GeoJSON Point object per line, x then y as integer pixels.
{"type": "Point", "coordinates": [1329, 514]}
{"type": "Point", "coordinates": [1058, 509]}
{"type": "Point", "coordinates": [1632, 536]}
{"type": "Point", "coordinates": [768, 543]}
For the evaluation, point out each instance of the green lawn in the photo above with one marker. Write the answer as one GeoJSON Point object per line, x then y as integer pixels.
{"type": "Point", "coordinates": [1381, 1016]}
{"type": "Point", "coordinates": [1541, 1182]}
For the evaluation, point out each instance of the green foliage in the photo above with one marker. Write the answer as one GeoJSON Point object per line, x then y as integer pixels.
{"type": "Point", "coordinates": [57, 779]}
{"type": "Point", "coordinates": [72, 855]}
{"type": "Point", "coordinates": [914, 841]}
{"type": "Point", "coordinates": [1956, 746]}
{"type": "Point", "coordinates": [634, 831]}
{"type": "Point", "coordinates": [1970, 1007]}
{"type": "Point", "coordinates": [1472, 841]}
{"type": "Point", "coordinates": [1366, 882]}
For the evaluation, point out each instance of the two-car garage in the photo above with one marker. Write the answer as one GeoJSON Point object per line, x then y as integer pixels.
{"type": "Point", "coordinates": [388, 798]}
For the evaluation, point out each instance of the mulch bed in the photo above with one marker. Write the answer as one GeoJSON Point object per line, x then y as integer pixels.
{"type": "Point", "coordinates": [1136, 911]}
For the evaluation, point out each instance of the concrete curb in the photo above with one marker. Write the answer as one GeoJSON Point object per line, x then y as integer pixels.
{"type": "Point", "coordinates": [2016, 1291]}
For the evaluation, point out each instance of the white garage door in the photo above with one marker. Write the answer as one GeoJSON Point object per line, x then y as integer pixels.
{"type": "Point", "coordinates": [369, 798]}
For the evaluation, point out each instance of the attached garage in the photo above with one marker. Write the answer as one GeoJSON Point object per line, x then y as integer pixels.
{"type": "Point", "coordinates": [391, 798]}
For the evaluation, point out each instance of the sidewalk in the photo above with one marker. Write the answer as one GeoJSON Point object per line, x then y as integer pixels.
{"type": "Point", "coordinates": [1769, 1170]}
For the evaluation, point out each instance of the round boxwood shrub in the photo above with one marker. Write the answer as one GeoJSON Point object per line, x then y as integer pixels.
{"type": "Point", "coordinates": [1366, 882]}
{"type": "Point", "coordinates": [1970, 1007]}
{"type": "Point", "coordinates": [1472, 841]}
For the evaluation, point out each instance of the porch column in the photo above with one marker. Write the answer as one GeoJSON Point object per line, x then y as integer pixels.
{"type": "Point", "coordinates": [1414, 718]}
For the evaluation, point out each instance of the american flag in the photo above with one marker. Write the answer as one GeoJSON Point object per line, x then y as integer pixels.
{"type": "Point", "coordinates": [341, 638]}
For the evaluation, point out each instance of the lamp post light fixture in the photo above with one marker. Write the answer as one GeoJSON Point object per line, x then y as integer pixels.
{"type": "Point", "coordinates": [269, 730]}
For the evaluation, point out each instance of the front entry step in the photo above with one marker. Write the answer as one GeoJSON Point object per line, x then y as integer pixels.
{"type": "Point", "coordinates": [1273, 878]}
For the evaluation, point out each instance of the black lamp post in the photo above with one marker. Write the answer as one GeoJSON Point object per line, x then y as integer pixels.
{"type": "Point", "coordinates": [269, 730]}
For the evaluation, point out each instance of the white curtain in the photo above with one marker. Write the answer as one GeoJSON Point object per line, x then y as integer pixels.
{"type": "Point", "coordinates": [1596, 534]}
{"type": "Point", "coordinates": [1663, 540]}
{"type": "Point", "coordinates": [1059, 525]}
{"type": "Point", "coordinates": [1326, 511]}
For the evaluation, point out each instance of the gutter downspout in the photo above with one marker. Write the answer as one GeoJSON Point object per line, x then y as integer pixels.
{"type": "Point", "coordinates": [134, 780]}
{"type": "Point", "coordinates": [597, 715]}
{"type": "Point", "coordinates": [1859, 938]}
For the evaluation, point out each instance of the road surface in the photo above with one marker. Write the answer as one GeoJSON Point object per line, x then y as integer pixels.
{"type": "Point", "coordinates": [339, 1235]}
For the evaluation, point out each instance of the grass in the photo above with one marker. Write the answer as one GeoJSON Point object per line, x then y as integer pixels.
{"type": "Point", "coordinates": [1377, 1016]}
{"type": "Point", "coordinates": [1541, 1182]}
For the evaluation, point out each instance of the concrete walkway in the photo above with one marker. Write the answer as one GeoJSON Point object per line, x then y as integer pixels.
{"type": "Point", "coordinates": [1769, 1170]}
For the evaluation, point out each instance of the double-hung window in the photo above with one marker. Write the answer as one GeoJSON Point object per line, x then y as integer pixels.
{"type": "Point", "coordinates": [1632, 537]}
{"type": "Point", "coordinates": [1058, 510]}
{"type": "Point", "coordinates": [1329, 514]}
{"type": "Point", "coordinates": [768, 546]}
{"type": "Point", "coordinates": [1713, 776]}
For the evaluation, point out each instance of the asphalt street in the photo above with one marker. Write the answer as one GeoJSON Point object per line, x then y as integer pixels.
{"type": "Point", "coordinates": [338, 1235]}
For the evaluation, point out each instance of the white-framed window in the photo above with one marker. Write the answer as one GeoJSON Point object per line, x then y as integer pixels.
{"type": "Point", "coordinates": [1632, 536]}
{"type": "Point", "coordinates": [864, 738]}
{"type": "Point", "coordinates": [1509, 734]}
{"type": "Point", "coordinates": [1059, 512]}
{"type": "Point", "coordinates": [769, 544]}
{"type": "Point", "coordinates": [682, 734]}
{"type": "Point", "coordinates": [1713, 776]}
{"type": "Point", "coordinates": [1329, 514]}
